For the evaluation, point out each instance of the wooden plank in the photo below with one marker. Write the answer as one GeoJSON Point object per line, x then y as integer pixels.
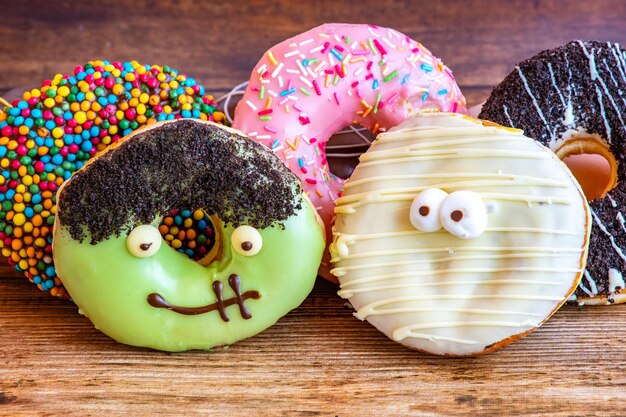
{"type": "Point", "coordinates": [481, 41]}
{"type": "Point", "coordinates": [319, 359]}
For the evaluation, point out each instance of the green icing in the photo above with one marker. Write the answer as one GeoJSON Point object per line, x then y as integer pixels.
{"type": "Point", "coordinates": [111, 286]}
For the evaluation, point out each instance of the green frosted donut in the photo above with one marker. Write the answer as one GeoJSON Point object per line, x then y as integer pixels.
{"type": "Point", "coordinates": [141, 292]}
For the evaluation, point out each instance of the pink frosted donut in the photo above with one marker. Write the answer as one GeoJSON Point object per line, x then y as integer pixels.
{"type": "Point", "coordinates": [310, 86]}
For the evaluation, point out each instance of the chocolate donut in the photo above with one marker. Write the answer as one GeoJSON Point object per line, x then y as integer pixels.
{"type": "Point", "coordinates": [573, 100]}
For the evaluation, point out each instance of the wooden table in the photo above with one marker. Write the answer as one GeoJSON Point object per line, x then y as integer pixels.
{"type": "Point", "coordinates": [318, 360]}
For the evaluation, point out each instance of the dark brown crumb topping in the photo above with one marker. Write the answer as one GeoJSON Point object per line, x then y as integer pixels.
{"type": "Point", "coordinates": [183, 165]}
{"type": "Point", "coordinates": [577, 85]}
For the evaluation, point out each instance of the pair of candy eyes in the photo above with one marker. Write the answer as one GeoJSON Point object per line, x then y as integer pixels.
{"type": "Point", "coordinates": [462, 213]}
{"type": "Point", "coordinates": [145, 240]}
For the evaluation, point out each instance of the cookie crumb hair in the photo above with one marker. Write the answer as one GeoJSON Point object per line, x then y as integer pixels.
{"type": "Point", "coordinates": [107, 200]}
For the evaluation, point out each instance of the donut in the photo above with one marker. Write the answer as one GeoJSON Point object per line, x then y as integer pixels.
{"type": "Point", "coordinates": [456, 236]}
{"type": "Point", "coordinates": [55, 129]}
{"type": "Point", "coordinates": [573, 100]}
{"type": "Point", "coordinates": [113, 261]}
{"type": "Point", "coordinates": [308, 87]}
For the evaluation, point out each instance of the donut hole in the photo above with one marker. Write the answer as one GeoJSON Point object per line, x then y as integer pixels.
{"type": "Point", "coordinates": [192, 233]}
{"type": "Point", "coordinates": [344, 148]}
{"type": "Point", "coordinates": [592, 163]}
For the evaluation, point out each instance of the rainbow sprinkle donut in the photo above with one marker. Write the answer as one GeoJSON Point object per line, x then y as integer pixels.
{"type": "Point", "coordinates": [53, 130]}
{"type": "Point", "coordinates": [310, 86]}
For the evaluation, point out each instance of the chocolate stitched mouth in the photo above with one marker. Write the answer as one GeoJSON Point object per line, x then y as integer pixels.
{"type": "Point", "coordinates": [157, 301]}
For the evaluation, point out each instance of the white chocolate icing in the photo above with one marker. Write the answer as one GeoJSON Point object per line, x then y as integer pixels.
{"type": "Point", "coordinates": [433, 291]}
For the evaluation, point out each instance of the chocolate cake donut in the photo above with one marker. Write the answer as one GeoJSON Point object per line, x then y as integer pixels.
{"type": "Point", "coordinates": [573, 100]}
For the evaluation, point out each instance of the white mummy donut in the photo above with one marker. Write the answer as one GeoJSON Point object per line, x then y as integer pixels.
{"type": "Point", "coordinates": [512, 248]}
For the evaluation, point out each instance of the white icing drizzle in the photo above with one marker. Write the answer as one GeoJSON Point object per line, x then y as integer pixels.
{"type": "Point", "coordinates": [611, 75]}
{"type": "Point", "coordinates": [602, 83]}
{"type": "Point", "coordinates": [558, 90]}
{"type": "Point", "coordinates": [436, 338]}
{"type": "Point", "coordinates": [350, 292]}
{"type": "Point", "coordinates": [510, 178]}
{"type": "Point", "coordinates": [602, 227]}
{"type": "Point", "coordinates": [472, 137]}
{"type": "Point", "coordinates": [474, 153]}
{"type": "Point", "coordinates": [568, 117]}
{"type": "Point", "coordinates": [457, 153]}
{"type": "Point", "coordinates": [341, 271]}
{"type": "Point", "coordinates": [431, 290]}
{"type": "Point", "coordinates": [369, 308]}
{"type": "Point", "coordinates": [413, 274]}
{"type": "Point", "coordinates": [612, 200]}
{"type": "Point", "coordinates": [407, 331]}
{"type": "Point", "coordinates": [527, 182]}
{"type": "Point", "coordinates": [456, 310]}
{"type": "Point", "coordinates": [506, 112]}
{"type": "Point", "coordinates": [453, 250]}
{"type": "Point", "coordinates": [613, 78]}
{"type": "Point", "coordinates": [457, 185]}
{"type": "Point", "coordinates": [593, 289]}
{"type": "Point", "coordinates": [535, 103]}
{"type": "Point", "coordinates": [607, 126]}
{"type": "Point", "coordinates": [621, 64]}
{"type": "Point", "coordinates": [595, 76]}
{"type": "Point", "coordinates": [622, 221]}
{"type": "Point", "coordinates": [593, 70]}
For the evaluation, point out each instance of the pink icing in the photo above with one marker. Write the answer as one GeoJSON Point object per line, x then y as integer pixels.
{"type": "Point", "coordinates": [310, 86]}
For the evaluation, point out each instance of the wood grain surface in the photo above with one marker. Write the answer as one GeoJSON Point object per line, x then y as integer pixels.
{"type": "Point", "coordinates": [319, 359]}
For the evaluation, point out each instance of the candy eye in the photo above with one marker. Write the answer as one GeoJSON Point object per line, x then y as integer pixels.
{"type": "Point", "coordinates": [143, 241]}
{"type": "Point", "coordinates": [463, 214]}
{"type": "Point", "coordinates": [424, 211]}
{"type": "Point", "coordinates": [246, 241]}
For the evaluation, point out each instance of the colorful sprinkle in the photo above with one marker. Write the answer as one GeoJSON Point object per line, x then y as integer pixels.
{"type": "Point", "coordinates": [287, 92]}
{"type": "Point", "coordinates": [55, 129]}
{"type": "Point", "coordinates": [380, 47]}
{"type": "Point", "coordinates": [190, 233]}
{"type": "Point", "coordinates": [271, 57]}
{"type": "Point", "coordinates": [390, 76]}
{"type": "Point", "coordinates": [336, 53]}
{"type": "Point", "coordinates": [317, 88]}
{"type": "Point", "coordinates": [377, 103]}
